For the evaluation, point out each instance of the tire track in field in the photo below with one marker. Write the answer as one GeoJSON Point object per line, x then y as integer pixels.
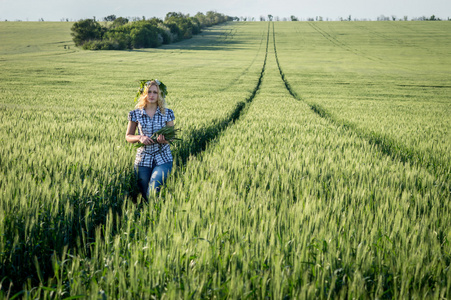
{"type": "Point", "coordinates": [355, 51]}
{"type": "Point", "coordinates": [340, 44]}
{"type": "Point", "coordinates": [237, 78]}
{"type": "Point", "coordinates": [384, 144]}
{"type": "Point", "coordinates": [82, 227]}
{"type": "Point", "coordinates": [194, 145]}
{"type": "Point", "coordinates": [396, 41]}
{"type": "Point", "coordinates": [198, 139]}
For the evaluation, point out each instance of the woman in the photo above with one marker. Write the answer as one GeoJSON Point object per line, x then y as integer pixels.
{"type": "Point", "coordinates": [153, 161]}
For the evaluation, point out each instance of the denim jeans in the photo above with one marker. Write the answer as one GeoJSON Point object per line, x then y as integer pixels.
{"type": "Point", "coordinates": [151, 178]}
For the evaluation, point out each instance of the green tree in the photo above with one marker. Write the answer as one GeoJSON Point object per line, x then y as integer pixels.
{"type": "Point", "coordinates": [110, 18]}
{"type": "Point", "coordinates": [202, 19]}
{"type": "Point", "coordinates": [179, 24]}
{"type": "Point", "coordinates": [119, 38]}
{"type": "Point", "coordinates": [86, 30]}
{"type": "Point", "coordinates": [119, 22]}
{"type": "Point", "coordinates": [144, 35]}
{"type": "Point", "coordinates": [196, 26]}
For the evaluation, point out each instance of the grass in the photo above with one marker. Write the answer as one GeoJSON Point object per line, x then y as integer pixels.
{"type": "Point", "coordinates": [388, 81]}
{"type": "Point", "coordinates": [279, 191]}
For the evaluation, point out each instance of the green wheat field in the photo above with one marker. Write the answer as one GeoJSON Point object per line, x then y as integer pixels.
{"type": "Point", "coordinates": [314, 163]}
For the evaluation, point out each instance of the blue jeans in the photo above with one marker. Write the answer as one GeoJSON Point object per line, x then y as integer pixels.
{"type": "Point", "coordinates": [151, 178]}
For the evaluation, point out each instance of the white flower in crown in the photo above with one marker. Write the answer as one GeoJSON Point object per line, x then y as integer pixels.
{"type": "Point", "coordinates": [157, 81]}
{"type": "Point", "coordinates": [147, 83]}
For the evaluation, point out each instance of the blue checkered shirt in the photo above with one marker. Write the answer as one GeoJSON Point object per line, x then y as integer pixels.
{"type": "Point", "coordinates": [154, 154]}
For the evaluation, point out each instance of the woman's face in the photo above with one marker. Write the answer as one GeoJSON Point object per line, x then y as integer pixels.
{"type": "Point", "coordinates": [152, 94]}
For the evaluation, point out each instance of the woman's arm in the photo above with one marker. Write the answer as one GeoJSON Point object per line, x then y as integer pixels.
{"type": "Point", "coordinates": [132, 138]}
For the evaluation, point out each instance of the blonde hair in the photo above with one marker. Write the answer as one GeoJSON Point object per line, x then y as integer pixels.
{"type": "Point", "coordinates": [142, 101]}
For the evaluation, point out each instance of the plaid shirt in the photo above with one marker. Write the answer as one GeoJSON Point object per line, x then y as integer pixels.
{"type": "Point", "coordinates": [154, 153]}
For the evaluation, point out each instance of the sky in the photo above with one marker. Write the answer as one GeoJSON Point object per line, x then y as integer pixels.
{"type": "Point", "coordinates": [74, 10]}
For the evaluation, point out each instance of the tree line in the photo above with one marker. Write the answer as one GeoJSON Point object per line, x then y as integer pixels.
{"type": "Point", "coordinates": [121, 33]}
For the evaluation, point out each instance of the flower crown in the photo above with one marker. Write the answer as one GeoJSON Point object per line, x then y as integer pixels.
{"type": "Point", "coordinates": [144, 83]}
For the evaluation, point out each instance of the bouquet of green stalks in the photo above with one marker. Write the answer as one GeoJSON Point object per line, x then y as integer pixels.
{"type": "Point", "coordinates": [169, 132]}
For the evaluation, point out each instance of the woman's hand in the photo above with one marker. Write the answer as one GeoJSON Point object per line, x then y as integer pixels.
{"type": "Point", "coordinates": [161, 139]}
{"type": "Point", "coordinates": [145, 140]}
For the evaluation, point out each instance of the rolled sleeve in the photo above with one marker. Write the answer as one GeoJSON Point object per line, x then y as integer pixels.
{"type": "Point", "coordinates": [132, 116]}
{"type": "Point", "coordinates": [171, 116]}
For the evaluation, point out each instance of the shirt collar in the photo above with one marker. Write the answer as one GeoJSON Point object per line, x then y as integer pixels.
{"type": "Point", "coordinates": [143, 111]}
